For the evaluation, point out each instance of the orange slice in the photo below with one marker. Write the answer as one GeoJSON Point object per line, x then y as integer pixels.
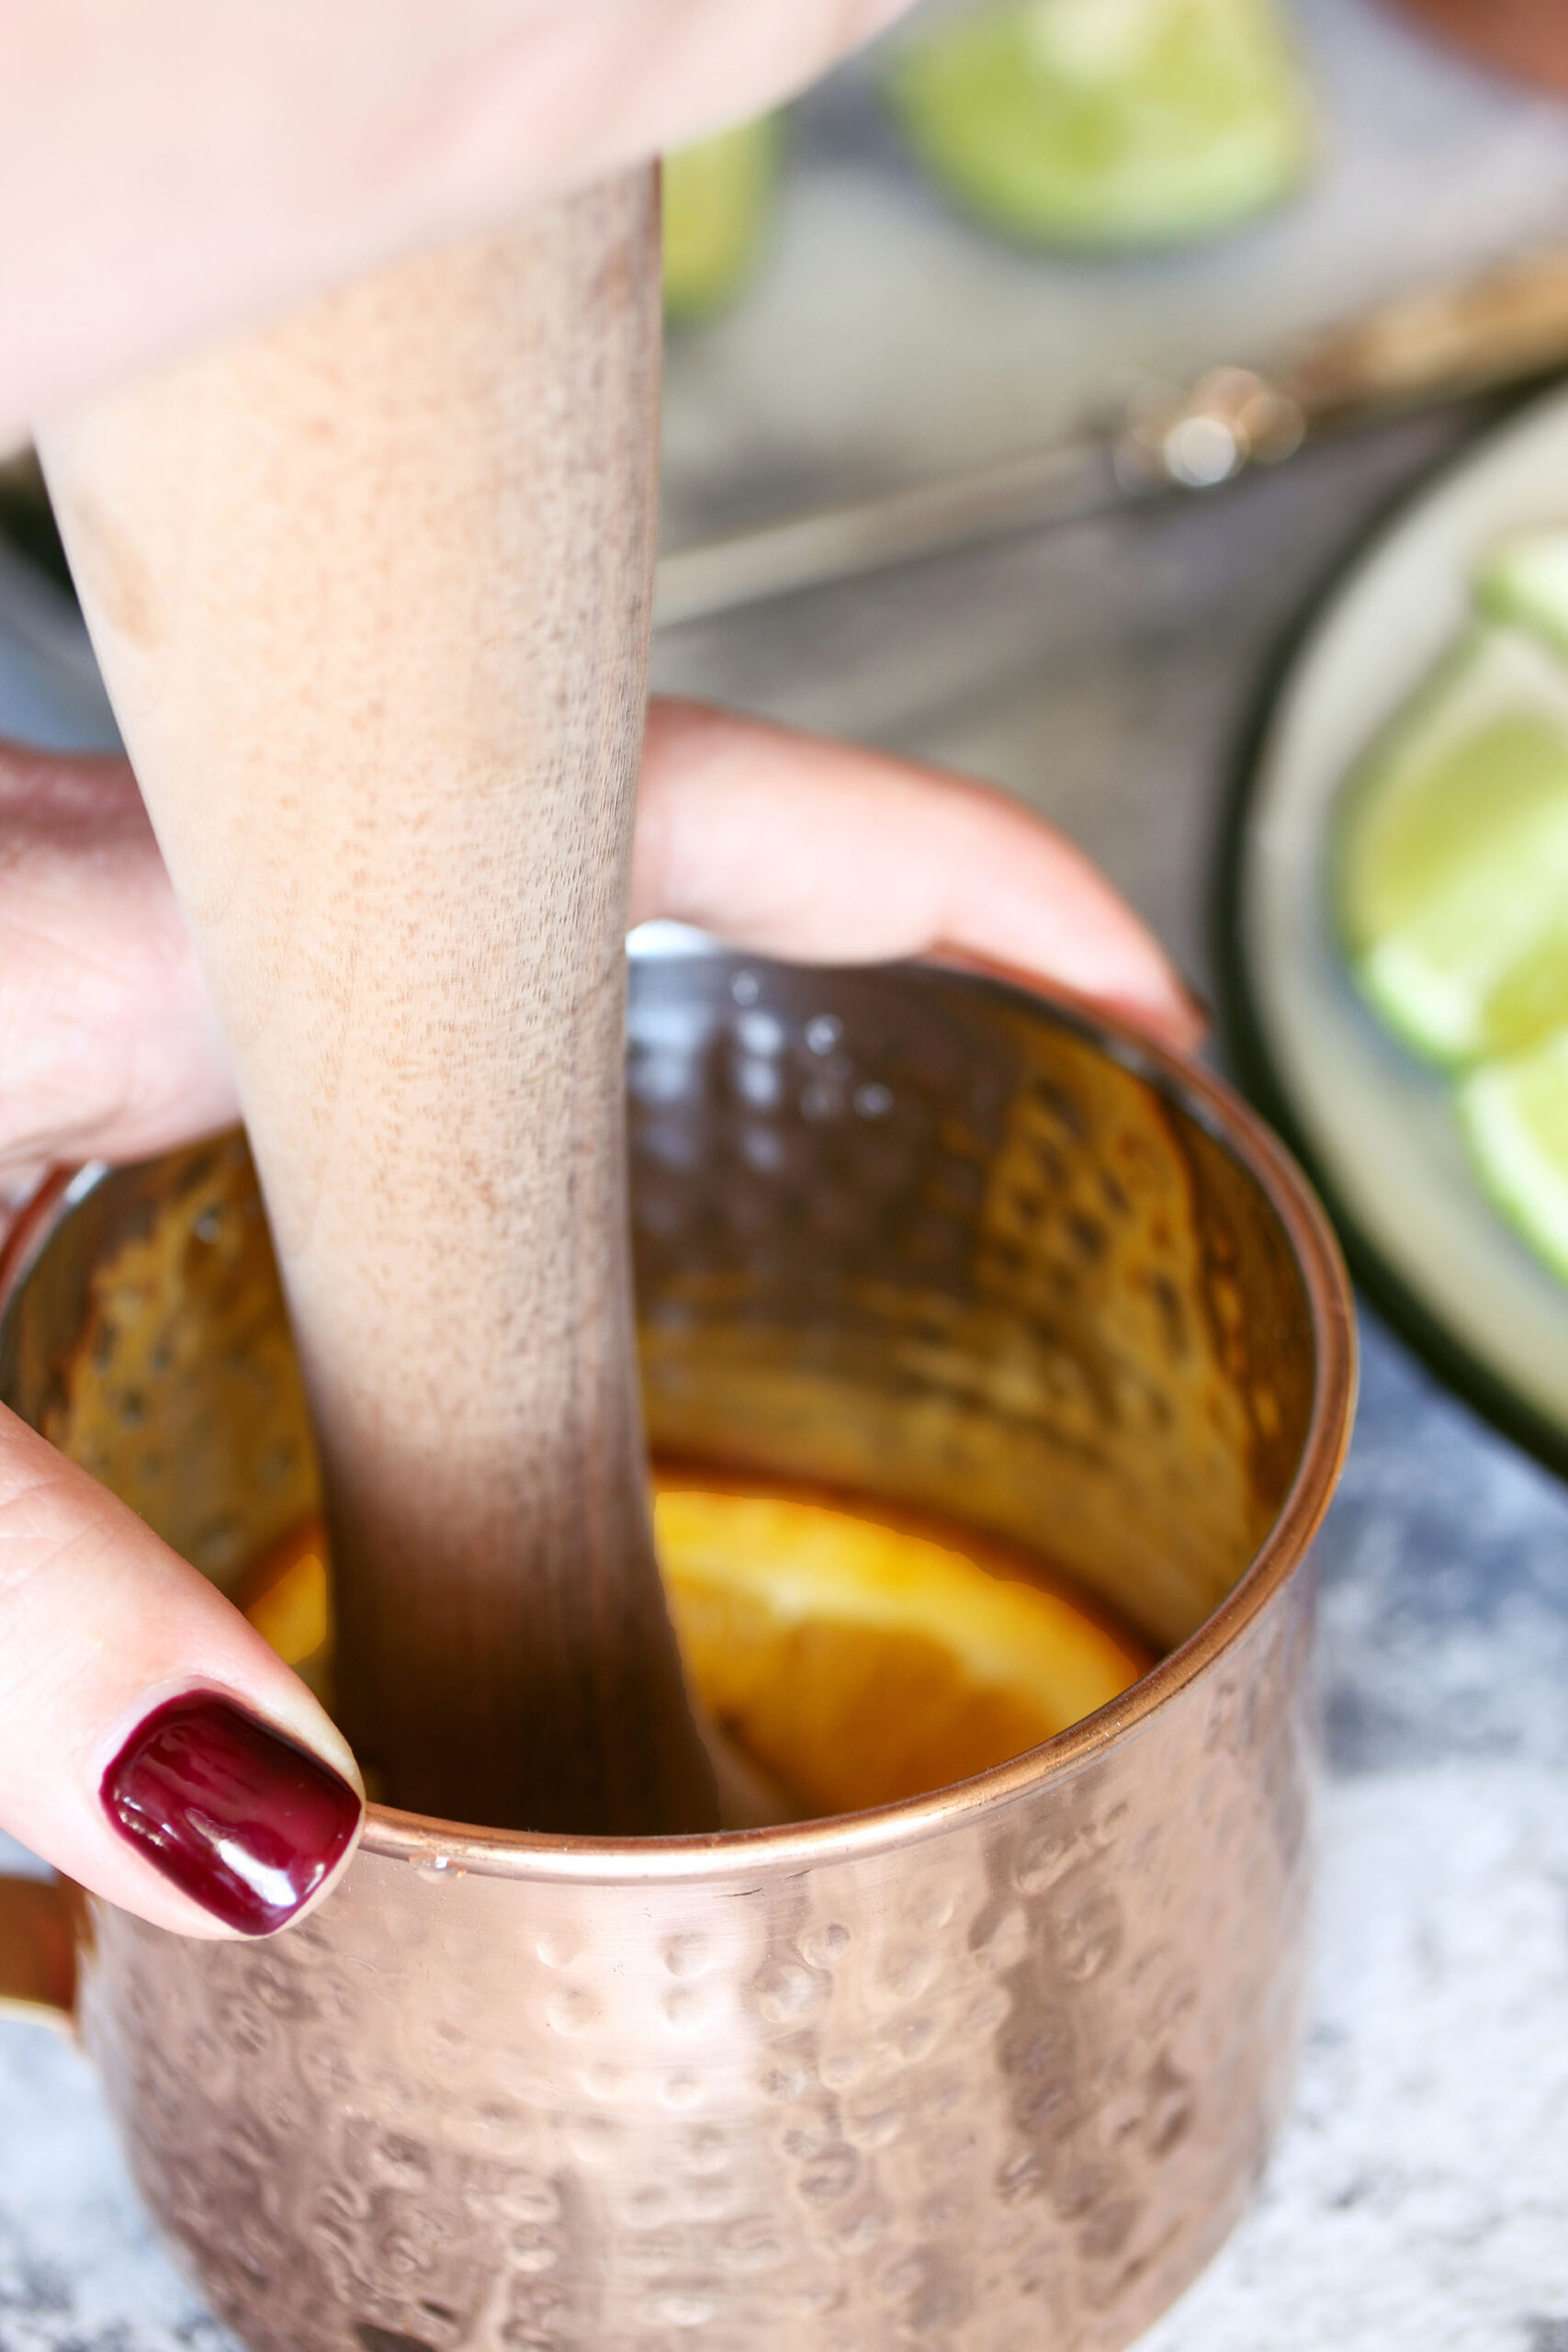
{"type": "Point", "coordinates": [857, 1660]}
{"type": "Point", "coordinates": [288, 1595]}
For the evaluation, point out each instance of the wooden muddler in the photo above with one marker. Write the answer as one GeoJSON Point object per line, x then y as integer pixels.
{"type": "Point", "coordinates": [371, 590]}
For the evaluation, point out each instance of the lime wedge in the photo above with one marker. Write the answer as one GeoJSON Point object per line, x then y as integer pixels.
{"type": "Point", "coordinates": [1515, 1119]}
{"type": "Point", "coordinates": [1524, 579]}
{"type": "Point", "coordinates": [1452, 855]}
{"type": "Point", "coordinates": [717, 198]}
{"type": "Point", "coordinates": [1104, 123]}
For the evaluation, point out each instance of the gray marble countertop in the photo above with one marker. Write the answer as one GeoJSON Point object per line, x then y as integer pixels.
{"type": "Point", "coordinates": [1418, 2200]}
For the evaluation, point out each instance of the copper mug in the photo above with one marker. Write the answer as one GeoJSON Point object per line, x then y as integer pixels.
{"type": "Point", "coordinates": [990, 2069]}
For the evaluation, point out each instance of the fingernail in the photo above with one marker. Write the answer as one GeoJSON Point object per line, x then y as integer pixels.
{"type": "Point", "coordinates": [245, 1822]}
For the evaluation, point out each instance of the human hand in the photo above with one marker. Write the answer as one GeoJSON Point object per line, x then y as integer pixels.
{"type": "Point", "coordinates": [778, 843]}
{"type": "Point", "coordinates": [172, 172]}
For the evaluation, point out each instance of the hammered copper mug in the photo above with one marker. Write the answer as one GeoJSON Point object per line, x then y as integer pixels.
{"type": "Point", "coordinates": [992, 2069]}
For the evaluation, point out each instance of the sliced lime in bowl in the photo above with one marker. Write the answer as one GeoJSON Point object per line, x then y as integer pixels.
{"type": "Point", "coordinates": [1524, 579]}
{"type": "Point", "coordinates": [1514, 1115]}
{"type": "Point", "coordinates": [1451, 867]}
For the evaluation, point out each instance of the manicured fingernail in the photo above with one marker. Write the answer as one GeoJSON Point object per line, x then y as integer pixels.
{"type": "Point", "coordinates": [243, 1820]}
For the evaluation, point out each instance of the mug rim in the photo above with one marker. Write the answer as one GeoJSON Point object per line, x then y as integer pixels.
{"type": "Point", "coordinates": [461, 1848]}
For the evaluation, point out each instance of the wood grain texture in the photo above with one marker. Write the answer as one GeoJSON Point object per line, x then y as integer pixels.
{"type": "Point", "coordinates": [371, 592]}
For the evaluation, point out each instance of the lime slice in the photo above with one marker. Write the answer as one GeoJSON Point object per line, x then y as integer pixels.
{"type": "Point", "coordinates": [717, 199]}
{"type": "Point", "coordinates": [1515, 1117]}
{"type": "Point", "coordinates": [1524, 579]}
{"type": "Point", "coordinates": [1452, 855]}
{"type": "Point", "coordinates": [1102, 123]}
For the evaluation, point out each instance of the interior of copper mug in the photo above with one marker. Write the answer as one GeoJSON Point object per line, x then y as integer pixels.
{"type": "Point", "coordinates": [910, 1235]}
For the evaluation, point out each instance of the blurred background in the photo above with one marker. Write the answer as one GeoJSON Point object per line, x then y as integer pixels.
{"type": "Point", "coordinates": [878, 330]}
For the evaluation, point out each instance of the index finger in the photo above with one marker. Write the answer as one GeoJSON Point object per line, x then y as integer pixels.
{"type": "Point", "coordinates": [829, 853]}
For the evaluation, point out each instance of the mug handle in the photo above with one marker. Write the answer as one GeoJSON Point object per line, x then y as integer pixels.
{"type": "Point", "coordinates": [37, 1950]}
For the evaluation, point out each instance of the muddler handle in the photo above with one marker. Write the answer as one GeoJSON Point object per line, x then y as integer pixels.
{"type": "Point", "coordinates": [370, 590]}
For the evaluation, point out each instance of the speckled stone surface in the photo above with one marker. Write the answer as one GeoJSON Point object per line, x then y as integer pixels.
{"type": "Point", "coordinates": [1419, 2201]}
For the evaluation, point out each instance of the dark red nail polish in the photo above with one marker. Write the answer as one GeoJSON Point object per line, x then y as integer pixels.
{"type": "Point", "coordinates": [243, 1820]}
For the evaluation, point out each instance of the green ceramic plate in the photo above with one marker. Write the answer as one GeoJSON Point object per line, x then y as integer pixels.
{"type": "Point", "coordinates": [1377, 1128]}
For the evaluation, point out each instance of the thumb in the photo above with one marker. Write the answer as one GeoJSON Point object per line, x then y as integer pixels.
{"type": "Point", "coordinates": [153, 1747]}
